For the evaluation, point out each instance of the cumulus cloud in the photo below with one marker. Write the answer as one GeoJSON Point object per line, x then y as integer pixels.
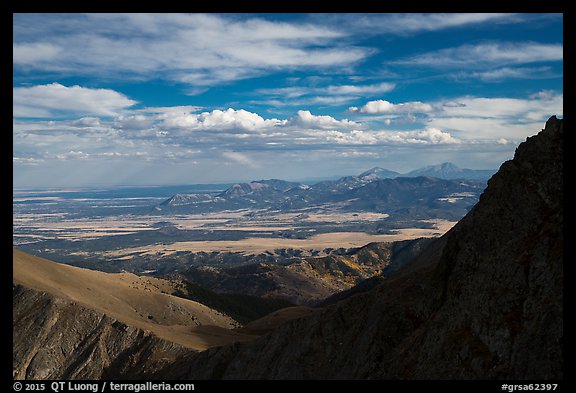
{"type": "Point", "coordinates": [54, 100]}
{"type": "Point", "coordinates": [386, 107]}
{"type": "Point", "coordinates": [242, 137]}
{"type": "Point", "coordinates": [431, 135]}
{"type": "Point", "coordinates": [230, 119]}
{"type": "Point", "coordinates": [173, 133]}
{"type": "Point", "coordinates": [307, 120]}
{"type": "Point", "coordinates": [427, 136]}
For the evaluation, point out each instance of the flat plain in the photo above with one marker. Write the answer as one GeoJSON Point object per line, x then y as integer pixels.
{"type": "Point", "coordinates": [260, 231]}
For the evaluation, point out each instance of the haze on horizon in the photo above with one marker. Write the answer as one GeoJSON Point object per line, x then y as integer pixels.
{"type": "Point", "coordinates": [155, 99]}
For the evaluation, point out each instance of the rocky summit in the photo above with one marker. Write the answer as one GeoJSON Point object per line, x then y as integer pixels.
{"type": "Point", "coordinates": [482, 302]}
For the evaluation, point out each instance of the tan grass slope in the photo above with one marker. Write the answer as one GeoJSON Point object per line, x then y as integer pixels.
{"type": "Point", "coordinates": [134, 300]}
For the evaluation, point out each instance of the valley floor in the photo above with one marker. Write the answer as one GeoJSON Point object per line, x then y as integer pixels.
{"type": "Point", "coordinates": [255, 245]}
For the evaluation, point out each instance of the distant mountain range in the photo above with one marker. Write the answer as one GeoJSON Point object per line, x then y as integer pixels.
{"type": "Point", "coordinates": [450, 171]}
{"type": "Point", "coordinates": [376, 190]}
{"type": "Point", "coordinates": [446, 170]}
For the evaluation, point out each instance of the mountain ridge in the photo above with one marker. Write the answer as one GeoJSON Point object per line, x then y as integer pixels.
{"type": "Point", "coordinates": [484, 301]}
{"type": "Point", "coordinates": [133, 300]}
{"type": "Point", "coordinates": [382, 173]}
{"type": "Point", "coordinates": [445, 171]}
{"type": "Point", "coordinates": [442, 197]}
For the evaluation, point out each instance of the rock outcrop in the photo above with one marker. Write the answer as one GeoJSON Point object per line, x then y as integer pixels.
{"type": "Point", "coordinates": [56, 338]}
{"type": "Point", "coordinates": [482, 302]}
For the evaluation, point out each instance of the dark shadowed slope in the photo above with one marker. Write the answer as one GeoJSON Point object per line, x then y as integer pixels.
{"type": "Point", "coordinates": [483, 302]}
{"type": "Point", "coordinates": [309, 280]}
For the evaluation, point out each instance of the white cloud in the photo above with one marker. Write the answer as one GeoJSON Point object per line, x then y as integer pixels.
{"type": "Point", "coordinates": [403, 24]}
{"type": "Point", "coordinates": [473, 119]}
{"type": "Point", "coordinates": [358, 90]}
{"type": "Point", "coordinates": [228, 120]}
{"type": "Point", "coordinates": [198, 49]}
{"type": "Point", "coordinates": [245, 138]}
{"type": "Point", "coordinates": [427, 136]}
{"type": "Point", "coordinates": [168, 110]}
{"type": "Point", "coordinates": [546, 95]}
{"type": "Point", "coordinates": [432, 135]}
{"type": "Point", "coordinates": [287, 92]}
{"type": "Point", "coordinates": [231, 118]}
{"type": "Point", "coordinates": [133, 122]}
{"type": "Point", "coordinates": [484, 129]}
{"type": "Point", "coordinates": [307, 120]}
{"type": "Point", "coordinates": [440, 21]}
{"type": "Point", "coordinates": [34, 53]}
{"type": "Point", "coordinates": [498, 119]}
{"type": "Point", "coordinates": [27, 161]}
{"type": "Point", "coordinates": [76, 155]}
{"type": "Point", "coordinates": [322, 100]}
{"type": "Point", "coordinates": [239, 158]}
{"type": "Point", "coordinates": [491, 53]}
{"type": "Point", "coordinates": [499, 74]}
{"type": "Point", "coordinates": [86, 122]}
{"type": "Point", "coordinates": [385, 107]}
{"type": "Point", "coordinates": [55, 100]}
{"type": "Point", "coordinates": [323, 95]}
{"type": "Point", "coordinates": [159, 134]}
{"type": "Point", "coordinates": [513, 109]}
{"type": "Point", "coordinates": [242, 124]}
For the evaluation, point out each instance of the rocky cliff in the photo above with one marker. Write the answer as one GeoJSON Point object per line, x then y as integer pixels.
{"type": "Point", "coordinates": [483, 302]}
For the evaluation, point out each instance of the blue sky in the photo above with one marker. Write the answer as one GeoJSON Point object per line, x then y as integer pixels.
{"type": "Point", "coordinates": [152, 99]}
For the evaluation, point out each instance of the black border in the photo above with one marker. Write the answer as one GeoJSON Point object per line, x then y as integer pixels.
{"type": "Point", "coordinates": [566, 7]}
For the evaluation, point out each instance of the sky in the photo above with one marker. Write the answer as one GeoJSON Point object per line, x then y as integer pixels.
{"type": "Point", "coordinates": [158, 99]}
